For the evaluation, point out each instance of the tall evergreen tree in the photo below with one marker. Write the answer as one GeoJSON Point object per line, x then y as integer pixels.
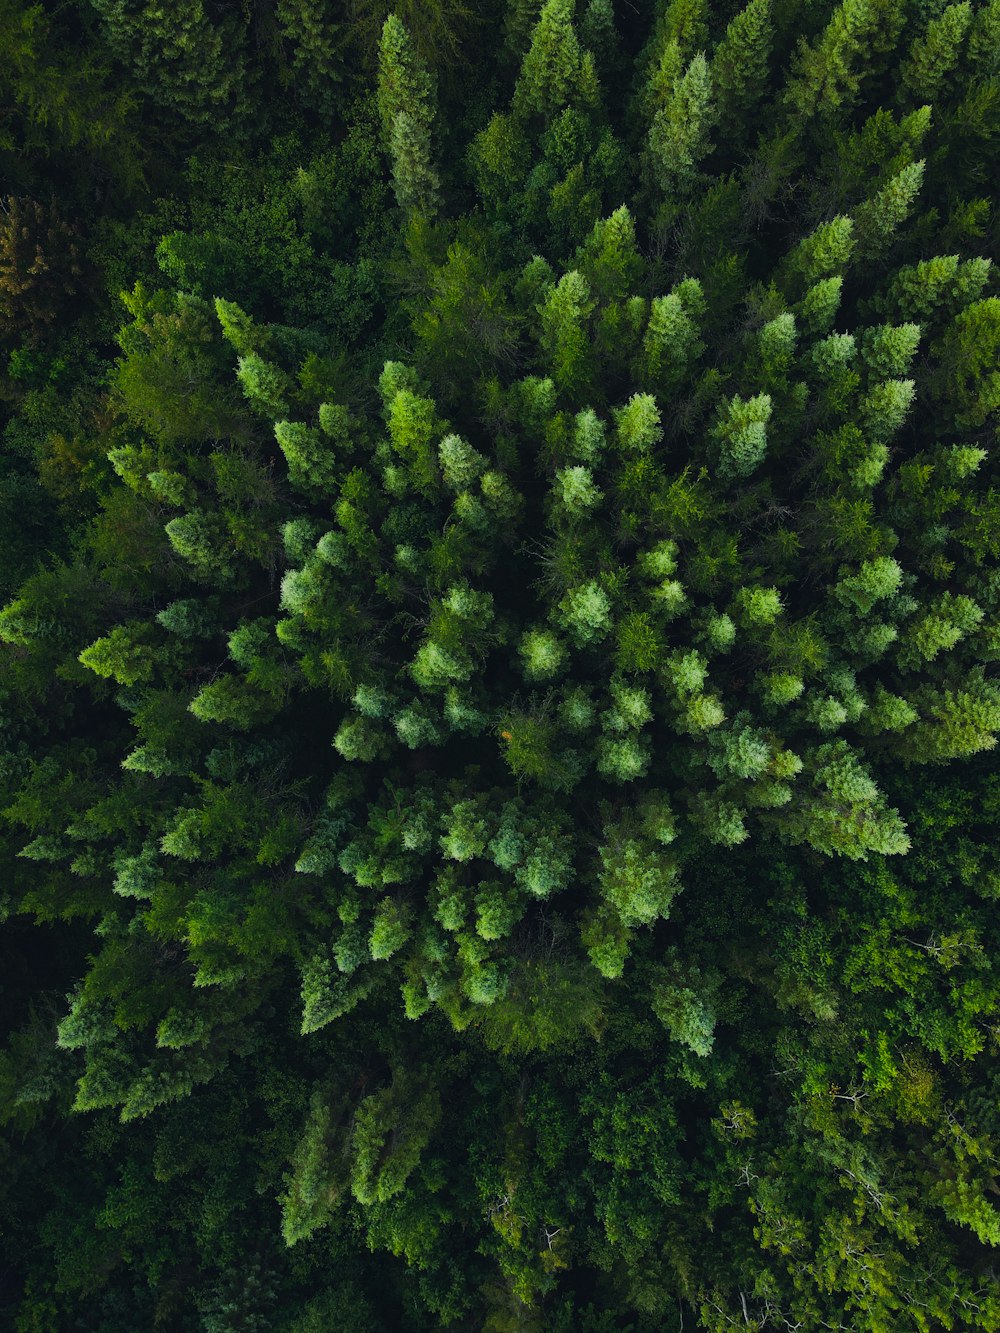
{"type": "Point", "coordinates": [406, 102]}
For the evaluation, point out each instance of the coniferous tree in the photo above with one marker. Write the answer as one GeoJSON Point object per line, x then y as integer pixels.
{"type": "Point", "coordinates": [187, 64]}
{"type": "Point", "coordinates": [406, 102]}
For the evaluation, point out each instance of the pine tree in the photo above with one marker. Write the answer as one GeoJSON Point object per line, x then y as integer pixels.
{"type": "Point", "coordinates": [684, 22]}
{"type": "Point", "coordinates": [889, 349]}
{"type": "Point", "coordinates": [875, 581]}
{"type": "Point", "coordinates": [818, 307]}
{"type": "Point", "coordinates": [739, 68]}
{"type": "Point", "coordinates": [199, 538]}
{"type": "Point", "coordinates": [982, 44]}
{"type": "Point", "coordinates": [822, 255]}
{"type": "Point", "coordinates": [563, 333]}
{"type": "Point", "coordinates": [671, 341]}
{"type": "Point", "coordinates": [919, 291]}
{"type": "Point", "coordinates": [407, 104]}
{"type": "Point", "coordinates": [927, 71]}
{"type": "Point", "coordinates": [679, 134]}
{"type": "Point", "coordinates": [741, 433]}
{"type": "Point", "coordinates": [884, 408]}
{"type": "Point", "coordinates": [576, 492]}
{"type": "Point", "coordinates": [878, 218]}
{"type": "Point", "coordinates": [311, 461]}
{"type": "Point", "coordinates": [186, 64]}
{"type": "Point", "coordinates": [552, 73]}
{"type": "Point", "coordinates": [609, 258]}
{"type": "Point", "coordinates": [845, 812]}
{"type": "Point", "coordinates": [125, 655]}
{"type": "Point", "coordinates": [944, 623]}
{"type": "Point", "coordinates": [638, 881]}
{"type": "Point", "coordinates": [967, 353]}
{"type": "Point", "coordinates": [316, 46]}
{"type": "Point", "coordinates": [415, 179]}
{"type": "Point", "coordinates": [954, 721]}
{"type": "Point", "coordinates": [638, 424]}
{"type": "Point", "coordinates": [829, 73]}
{"type": "Point", "coordinates": [599, 34]}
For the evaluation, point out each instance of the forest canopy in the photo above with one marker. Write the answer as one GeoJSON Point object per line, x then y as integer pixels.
{"type": "Point", "coordinates": [498, 693]}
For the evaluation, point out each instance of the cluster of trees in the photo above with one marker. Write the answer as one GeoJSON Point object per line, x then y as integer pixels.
{"type": "Point", "coordinates": [497, 666]}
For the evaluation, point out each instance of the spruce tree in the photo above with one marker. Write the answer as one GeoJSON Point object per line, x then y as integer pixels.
{"type": "Point", "coordinates": [406, 103]}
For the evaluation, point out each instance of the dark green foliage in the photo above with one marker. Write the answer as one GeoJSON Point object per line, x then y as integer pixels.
{"type": "Point", "coordinates": [406, 103]}
{"type": "Point", "coordinates": [498, 692]}
{"type": "Point", "coordinates": [189, 65]}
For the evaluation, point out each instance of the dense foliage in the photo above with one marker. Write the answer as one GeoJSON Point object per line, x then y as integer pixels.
{"type": "Point", "coordinates": [497, 665]}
